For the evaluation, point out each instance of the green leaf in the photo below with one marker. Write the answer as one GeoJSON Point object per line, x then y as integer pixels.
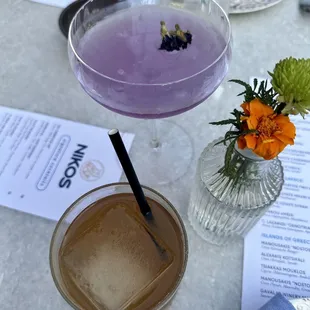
{"type": "Point", "coordinates": [246, 85]}
{"type": "Point", "coordinates": [261, 87]}
{"type": "Point", "coordinates": [229, 152]}
{"type": "Point", "coordinates": [267, 96]}
{"type": "Point", "coordinates": [224, 122]}
{"type": "Point", "coordinates": [231, 133]}
{"type": "Point", "coordinates": [217, 143]}
{"type": "Point", "coordinates": [255, 83]}
{"type": "Point", "coordinates": [249, 92]}
{"type": "Point", "coordinates": [247, 132]}
{"type": "Point", "coordinates": [243, 93]}
{"type": "Point", "coordinates": [237, 115]}
{"type": "Point", "coordinates": [224, 140]}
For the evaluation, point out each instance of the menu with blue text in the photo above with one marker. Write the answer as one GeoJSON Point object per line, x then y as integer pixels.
{"type": "Point", "coordinates": [46, 163]}
{"type": "Point", "coordinates": [277, 249]}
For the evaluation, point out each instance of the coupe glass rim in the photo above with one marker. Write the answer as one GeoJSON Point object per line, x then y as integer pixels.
{"type": "Point", "coordinates": [71, 46]}
{"type": "Point", "coordinates": [174, 211]}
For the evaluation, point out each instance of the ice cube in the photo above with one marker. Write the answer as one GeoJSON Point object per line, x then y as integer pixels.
{"type": "Point", "coordinates": [116, 259]}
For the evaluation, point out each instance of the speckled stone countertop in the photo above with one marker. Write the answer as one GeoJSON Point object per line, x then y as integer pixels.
{"type": "Point", "coordinates": [35, 75]}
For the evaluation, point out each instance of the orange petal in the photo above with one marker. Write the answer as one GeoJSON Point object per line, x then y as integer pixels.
{"type": "Point", "coordinates": [266, 139]}
{"type": "Point", "coordinates": [250, 141]}
{"type": "Point", "coordinates": [241, 143]}
{"type": "Point", "coordinates": [244, 125]}
{"type": "Point", "coordinates": [252, 122]}
{"type": "Point", "coordinates": [259, 109]}
{"type": "Point", "coordinates": [285, 139]}
{"type": "Point", "coordinates": [282, 119]}
{"type": "Point", "coordinates": [245, 107]}
{"type": "Point", "coordinates": [269, 150]}
{"type": "Point", "coordinates": [288, 129]}
{"type": "Point", "coordinates": [281, 146]}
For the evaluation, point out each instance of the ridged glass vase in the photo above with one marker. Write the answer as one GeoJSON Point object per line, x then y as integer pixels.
{"type": "Point", "coordinates": [225, 205]}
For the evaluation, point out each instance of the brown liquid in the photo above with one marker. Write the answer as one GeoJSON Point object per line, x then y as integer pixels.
{"type": "Point", "coordinates": [111, 258]}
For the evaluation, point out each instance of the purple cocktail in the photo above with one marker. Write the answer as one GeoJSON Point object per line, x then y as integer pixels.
{"type": "Point", "coordinates": [134, 78]}
{"type": "Point", "coordinates": [114, 50]}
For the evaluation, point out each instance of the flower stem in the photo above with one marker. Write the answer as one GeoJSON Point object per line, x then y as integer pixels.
{"type": "Point", "coordinates": [280, 108]}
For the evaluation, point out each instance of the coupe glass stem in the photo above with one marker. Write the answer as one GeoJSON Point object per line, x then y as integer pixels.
{"type": "Point", "coordinates": [155, 143]}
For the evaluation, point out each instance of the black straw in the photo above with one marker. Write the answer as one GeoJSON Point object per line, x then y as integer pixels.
{"type": "Point", "coordinates": [130, 173]}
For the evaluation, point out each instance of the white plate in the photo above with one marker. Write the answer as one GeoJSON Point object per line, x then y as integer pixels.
{"type": "Point", "coordinates": [247, 6]}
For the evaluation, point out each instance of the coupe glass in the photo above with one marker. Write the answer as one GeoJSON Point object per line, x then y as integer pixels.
{"type": "Point", "coordinates": [137, 89]}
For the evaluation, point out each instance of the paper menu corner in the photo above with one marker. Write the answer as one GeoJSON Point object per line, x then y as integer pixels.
{"type": "Point", "coordinates": [47, 162]}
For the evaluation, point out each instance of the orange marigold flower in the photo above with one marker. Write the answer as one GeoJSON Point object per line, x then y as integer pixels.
{"type": "Point", "coordinates": [273, 131]}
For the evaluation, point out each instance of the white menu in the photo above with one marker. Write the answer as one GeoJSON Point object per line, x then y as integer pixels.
{"type": "Point", "coordinates": [277, 249]}
{"type": "Point", "coordinates": [46, 163]}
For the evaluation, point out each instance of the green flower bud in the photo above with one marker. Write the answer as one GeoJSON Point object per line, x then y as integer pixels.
{"type": "Point", "coordinates": [291, 80]}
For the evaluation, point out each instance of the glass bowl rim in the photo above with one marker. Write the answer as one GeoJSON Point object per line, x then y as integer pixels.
{"type": "Point", "coordinates": [73, 49]}
{"type": "Point", "coordinates": [168, 297]}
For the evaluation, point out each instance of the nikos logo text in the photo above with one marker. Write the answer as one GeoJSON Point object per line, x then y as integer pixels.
{"type": "Point", "coordinates": [73, 166]}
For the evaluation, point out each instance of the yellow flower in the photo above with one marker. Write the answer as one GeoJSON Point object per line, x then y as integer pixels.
{"type": "Point", "coordinates": [273, 131]}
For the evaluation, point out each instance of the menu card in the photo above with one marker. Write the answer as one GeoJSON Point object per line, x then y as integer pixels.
{"type": "Point", "coordinates": [46, 163]}
{"type": "Point", "coordinates": [277, 249]}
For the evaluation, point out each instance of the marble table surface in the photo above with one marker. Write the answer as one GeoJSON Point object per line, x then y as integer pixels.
{"type": "Point", "coordinates": [35, 75]}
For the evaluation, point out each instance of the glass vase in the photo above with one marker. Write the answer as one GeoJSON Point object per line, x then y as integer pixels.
{"type": "Point", "coordinates": [227, 204]}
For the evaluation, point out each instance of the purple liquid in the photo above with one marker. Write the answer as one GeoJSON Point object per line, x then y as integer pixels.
{"type": "Point", "coordinates": [134, 78]}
